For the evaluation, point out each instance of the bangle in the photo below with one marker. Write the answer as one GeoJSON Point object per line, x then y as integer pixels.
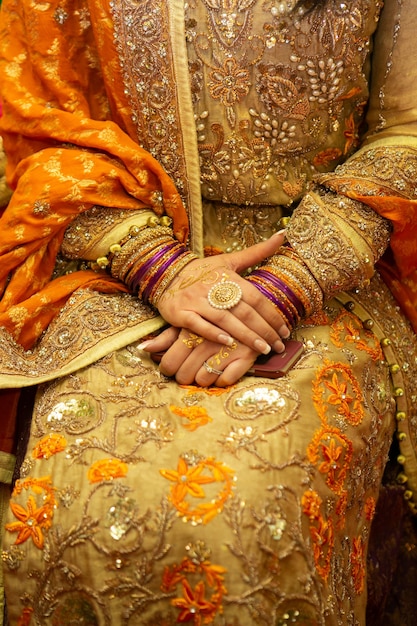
{"type": "Point", "coordinates": [263, 287]}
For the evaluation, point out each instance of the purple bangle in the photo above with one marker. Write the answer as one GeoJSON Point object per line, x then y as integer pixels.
{"type": "Point", "coordinates": [133, 283]}
{"type": "Point", "coordinates": [268, 294]}
{"type": "Point", "coordinates": [154, 280]}
{"type": "Point", "coordinates": [280, 285]}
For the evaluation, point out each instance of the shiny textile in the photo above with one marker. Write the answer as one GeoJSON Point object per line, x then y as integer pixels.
{"type": "Point", "coordinates": [138, 499]}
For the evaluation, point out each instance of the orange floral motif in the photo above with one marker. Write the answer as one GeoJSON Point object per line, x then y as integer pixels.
{"type": "Point", "coordinates": [370, 506]}
{"type": "Point", "coordinates": [189, 481]}
{"type": "Point", "coordinates": [48, 446]}
{"type": "Point", "coordinates": [311, 503]}
{"type": "Point", "coordinates": [341, 509]}
{"type": "Point", "coordinates": [26, 617]}
{"type": "Point", "coordinates": [197, 416]}
{"type": "Point", "coordinates": [350, 133]}
{"type": "Point", "coordinates": [332, 453]}
{"type": "Point", "coordinates": [194, 604]}
{"type": "Point", "coordinates": [323, 540]}
{"type": "Point", "coordinates": [358, 564]}
{"type": "Point", "coordinates": [345, 392]}
{"type": "Point", "coordinates": [325, 157]}
{"type": "Point", "coordinates": [32, 521]}
{"type": "Point", "coordinates": [339, 395]}
{"type": "Point", "coordinates": [107, 469]}
{"type": "Point", "coordinates": [348, 329]}
{"type": "Point", "coordinates": [209, 391]}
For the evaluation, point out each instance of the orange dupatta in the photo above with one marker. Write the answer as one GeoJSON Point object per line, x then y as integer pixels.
{"type": "Point", "coordinates": [65, 154]}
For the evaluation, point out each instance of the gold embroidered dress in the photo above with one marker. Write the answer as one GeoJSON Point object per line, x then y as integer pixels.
{"type": "Point", "coordinates": [139, 500]}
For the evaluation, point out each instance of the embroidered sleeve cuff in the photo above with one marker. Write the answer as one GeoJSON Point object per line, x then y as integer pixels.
{"type": "Point", "coordinates": [338, 239]}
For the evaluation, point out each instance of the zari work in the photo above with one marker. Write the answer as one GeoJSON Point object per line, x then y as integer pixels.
{"type": "Point", "coordinates": [138, 499]}
{"type": "Point", "coordinates": [224, 510]}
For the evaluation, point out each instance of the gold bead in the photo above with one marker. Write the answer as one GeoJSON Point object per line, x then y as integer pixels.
{"type": "Point", "coordinates": [368, 324]}
{"type": "Point", "coordinates": [402, 478]}
{"type": "Point", "coordinates": [408, 494]}
{"type": "Point", "coordinates": [386, 341]}
{"type": "Point", "coordinates": [102, 261]}
{"type": "Point", "coordinates": [349, 306]}
{"type": "Point", "coordinates": [398, 392]}
{"type": "Point", "coordinates": [400, 415]}
{"type": "Point", "coordinates": [153, 221]}
{"type": "Point", "coordinates": [115, 248]}
{"type": "Point", "coordinates": [134, 230]}
{"type": "Point", "coordinates": [284, 221]}
{"type": "Point", "coordinates": [401, 436]}
{"type": "Point", "coordinates": [401, 459]}
{"type": "Point", "coordinates": [394, 368]}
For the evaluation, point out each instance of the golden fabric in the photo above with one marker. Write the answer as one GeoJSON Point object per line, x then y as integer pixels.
{"type": "Point", "coordinates": [139, 499]}
{"type": "Point", "coordinates": [250, 504]}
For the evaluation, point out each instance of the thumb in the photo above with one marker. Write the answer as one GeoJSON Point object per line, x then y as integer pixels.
{"type": "Point", "coordinates": [242, 260]}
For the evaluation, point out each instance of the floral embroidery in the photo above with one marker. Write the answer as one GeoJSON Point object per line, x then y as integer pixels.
{"type": "Point", "coordinates": [33, 520]}
{"type": "Point", "coordinates": [194, 605]}
{"type": "Point", "coordinates": [325, 157]}
{"type": "Point", "coordinates": [197, 416]}
{"type": "Point", "coordinates": [348, 329]}
{"type": "Point", "coordinates": [358, 564]}
{"type": "Point", "coordinates": [332, 452]}
{"type": "Point", "coordinates": [188, 481]}
{"type": "Point", "coordinates": [107, 469]}
{"type": "Point", "coordinates": [344, 392]}
{"type": "Point", "coordinates": [229, 84]}
{"type": "Point", "coordinates": [370, 507]}
{"type": "Point", "coordinates": [322, 535]}
{"type": "Point", "coordinates": [26, 617]}
{"type": "Point", "coordinates": [48, 446]}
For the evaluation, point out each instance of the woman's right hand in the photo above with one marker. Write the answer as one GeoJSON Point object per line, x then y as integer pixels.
{"type": "Point", "coordinates": [253, 322]}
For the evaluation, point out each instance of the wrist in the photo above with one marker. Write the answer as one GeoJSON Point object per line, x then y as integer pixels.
{"type": "Point", "coordinates": [147, 259]}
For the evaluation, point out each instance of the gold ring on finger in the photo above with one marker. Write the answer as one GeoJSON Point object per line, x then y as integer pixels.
{"type": "Point", "coordinates": [224, 295]}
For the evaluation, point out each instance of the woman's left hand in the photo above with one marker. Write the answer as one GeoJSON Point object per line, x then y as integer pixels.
{"type": "Point", "coordinates": [194, 360]}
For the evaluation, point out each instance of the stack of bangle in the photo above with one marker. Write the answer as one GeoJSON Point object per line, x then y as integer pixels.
{"type": "Point", "coordinates": [147, 259]}
{"type": "Point", "coordinates": [288, 284]}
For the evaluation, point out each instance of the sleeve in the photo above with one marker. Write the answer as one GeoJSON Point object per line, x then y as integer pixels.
{"type": "Point", "coordinates": [383, 173]}
{"type": "Point", "coordinates": [341, 229]}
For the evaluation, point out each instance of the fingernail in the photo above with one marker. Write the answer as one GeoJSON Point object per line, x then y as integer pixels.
{"type": "Point", "coordinates": [144, 344]}
{"type": "Point", "coordinates": [279, 346]}
{"type": "Point", "coordinates": [284, 331]}
{"type": "Point", "coordinates": [262, 346]}
{"type": "Point", "coordinates": [226, 339]}
{"type": "Point", "coordinates": [279, 232]}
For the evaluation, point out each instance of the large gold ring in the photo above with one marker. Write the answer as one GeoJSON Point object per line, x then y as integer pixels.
{"type": "Point", "coordinates": [212, 370]}
{"type": "Point", "coordinates": [224, 295]}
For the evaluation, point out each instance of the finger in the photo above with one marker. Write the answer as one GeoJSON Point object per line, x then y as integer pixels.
{"type": "Point", "coordinates": [243, 259]}
{"type": "Point", "coordinates": [231, 373]}
{"type": "Point", "coordinates": [162, 342]}
{"type": "Point", "coordinates": [184, 357]}
{"type": "Point", "coordinates": [227, 323]}
{"type": "Point", "coordinates": [234, 372]}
